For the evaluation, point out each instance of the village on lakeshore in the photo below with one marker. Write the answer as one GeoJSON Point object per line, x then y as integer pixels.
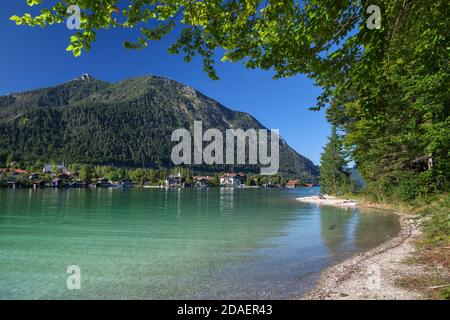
{"type": "Point", "coordinates": [86, 176]}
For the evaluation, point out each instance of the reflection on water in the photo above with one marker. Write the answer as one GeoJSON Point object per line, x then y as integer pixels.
{"type": "Point", "coordinates": [350, 229]}
{"type": "Point", "coordinates": [338, 227]}
{"type": "Point", "coordinates": [200, 243]}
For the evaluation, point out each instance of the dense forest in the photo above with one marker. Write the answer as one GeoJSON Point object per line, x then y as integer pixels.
{"type": "Point", "coordinates": [387, 91]}
{"type": "Point", "coordinates": [125, 124]}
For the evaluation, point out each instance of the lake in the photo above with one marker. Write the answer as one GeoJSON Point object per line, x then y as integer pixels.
{"type": "Point", "coordinates": [217, 243]}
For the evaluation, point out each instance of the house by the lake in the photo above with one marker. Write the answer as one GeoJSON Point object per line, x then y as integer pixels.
{"type": "Point", "coordinates": [293, 183]}
{"type": "Point", "coordinates": [202, 181]}
{"type": "Point", "coordinates": [174, 181]}
{"type": "Point", "coordinates": [51, 168]}
{"type": "Point", "coordinates": [15, 172]}
{"type": "Point", "coordinates": [20, 171]}
{"type": "Point", "coordinates": [232, 180]}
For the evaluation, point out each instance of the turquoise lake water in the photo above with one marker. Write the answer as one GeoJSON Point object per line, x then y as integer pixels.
{"type": "Point", "coordinates": [216, 243]}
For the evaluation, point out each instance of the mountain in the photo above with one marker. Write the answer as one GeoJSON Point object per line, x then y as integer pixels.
{"type": "Point", "coordinates": [128, 123]}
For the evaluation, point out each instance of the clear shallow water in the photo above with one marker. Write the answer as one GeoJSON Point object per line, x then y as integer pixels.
{"type": "Point", "coordinates": [175, 244]}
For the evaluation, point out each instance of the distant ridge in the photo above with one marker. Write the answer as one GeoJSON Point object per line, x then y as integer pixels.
{"type": "Point", "coordinates": [128, 123]}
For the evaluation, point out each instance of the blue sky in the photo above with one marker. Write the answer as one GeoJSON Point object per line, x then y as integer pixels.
{"type": "Point", "coordinates": [33, 57]}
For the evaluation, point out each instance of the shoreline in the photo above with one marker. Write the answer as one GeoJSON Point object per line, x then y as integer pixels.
{"type": "Point", "coordinates": [384, 265]}
{"type": "Point", "coordinates": [329, 201]}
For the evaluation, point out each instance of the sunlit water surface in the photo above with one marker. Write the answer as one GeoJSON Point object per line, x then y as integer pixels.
{"type": "Point", "coordinates": [176, 244]}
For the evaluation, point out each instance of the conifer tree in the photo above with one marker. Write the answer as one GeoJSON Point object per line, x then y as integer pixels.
{"type": "Point", "coordinates": [334, 179]}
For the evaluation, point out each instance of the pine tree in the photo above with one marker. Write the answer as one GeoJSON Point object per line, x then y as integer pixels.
{"type": "Point", "coordinates": [333, 176]}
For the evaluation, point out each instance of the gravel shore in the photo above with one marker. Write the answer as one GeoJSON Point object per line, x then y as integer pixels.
{"type": "Point", "coordinates": [373, 274]}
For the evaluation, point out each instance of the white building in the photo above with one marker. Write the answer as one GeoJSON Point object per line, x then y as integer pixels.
{"type": "Point", "coordinates": [58, 168]}
{"type": "Point", "coordinates": [232, 180]}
